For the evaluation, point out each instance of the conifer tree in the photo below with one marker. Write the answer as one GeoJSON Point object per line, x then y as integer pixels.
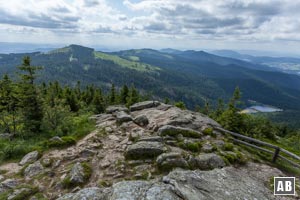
{"type": "Point", "coordinates": [30, 102]}
{"type": "Point", "coordinates": [98, 102]}
{"type": "Point", "coordinates": [124, 94]}
{"type": "Point", "coordinates": [134, 96]}
{"type": "Point", "coordinates": [112, 95]}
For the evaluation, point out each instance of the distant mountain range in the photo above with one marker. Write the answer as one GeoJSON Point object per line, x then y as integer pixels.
{"type": "Point", "coordinates": [190, 76]}
{"type": "Point", "coordinates": [284, 64]}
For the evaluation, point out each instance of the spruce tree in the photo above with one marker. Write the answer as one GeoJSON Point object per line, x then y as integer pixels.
{"type": "Point", "coordinates": [112, 95]}
{"type": "Point", "coordinates": [30, 102]}
{"type": "Point", "coordinates": [134, 96]}
{"type": "Point", "coordinates": [124, 94]}
{"type": "Point", "coordinates": [98, 102]}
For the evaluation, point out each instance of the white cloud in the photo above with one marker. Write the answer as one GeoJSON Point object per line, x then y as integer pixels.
{"type": "Point", "coordinates": [156, 22]}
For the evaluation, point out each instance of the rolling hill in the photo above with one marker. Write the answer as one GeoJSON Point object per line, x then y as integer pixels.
{"type": "Point", "coordinates": [190, 76]}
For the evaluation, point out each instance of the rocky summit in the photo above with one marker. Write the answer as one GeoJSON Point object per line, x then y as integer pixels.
{"type": "Point", "coordinates": [151, 151]}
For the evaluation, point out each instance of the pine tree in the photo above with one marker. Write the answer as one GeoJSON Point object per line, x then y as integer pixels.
{"type": "Point", "coordinates": [231, 119]}
{"type": "Point", "coordinates": [124, 94]}
{"type": "Point", "coordinates": [8, 105]}
{"type": "Point", "coordinates": [30, 102]}
{"type": "Point", "coordinates": [134, 96]}
{"type": "Point", "coordinates": [112, 95]}
{"type": "Point", "coordinates": [98, 102]}
{"type": "Point", "coordinates": [72, 101]}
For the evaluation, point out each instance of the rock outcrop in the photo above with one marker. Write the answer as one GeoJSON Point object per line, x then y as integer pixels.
{"type": "Point", "coordinates": [163, 153]}
{"type": "Point", "coordinates": [218, 184]}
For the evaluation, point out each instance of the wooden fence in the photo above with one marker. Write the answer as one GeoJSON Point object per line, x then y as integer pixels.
{"type": "Point", "coordinates": [277, 151]}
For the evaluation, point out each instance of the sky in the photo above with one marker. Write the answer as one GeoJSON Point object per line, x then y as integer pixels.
{"type": "Point", "coordinates": [182, 24]}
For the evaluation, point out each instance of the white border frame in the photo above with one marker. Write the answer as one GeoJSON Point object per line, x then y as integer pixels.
{"type": "Point", "coordinates": [285, 194]}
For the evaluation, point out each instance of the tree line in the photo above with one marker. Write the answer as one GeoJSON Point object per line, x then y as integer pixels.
{"type": "Point", "coordinates": [28, 108]}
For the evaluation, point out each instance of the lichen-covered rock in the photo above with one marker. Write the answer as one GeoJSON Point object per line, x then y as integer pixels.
{"type": "Point", "coordinates": [151, 139]}
{"type": "Point", "coordinates": [218, 184]}
{"type": "Point", "coordinates": [123, 117]}
{"type": "Point", "coordinates": [112, 109]}
{"type": "Point", "coordinates": [77, 174]}
{"type": "Point", "coordinates": [144, 105]}
{"type": "Point", "coordinates": [21, 193]}
{"type": "Point", "coordinates": [93, 193]}
{"type": "Point", "coordinates": [207, 148]}
{"type": "Point", "coordinates": [8, 184]}
{"type": "Point", "coordinates": [141, 120]}
{"type": "Point", "coordinates": [29, 158]}
{"type": "Point", "coordinates": [206, 161]}
{"type": "Point", "coordinates": [167, 161]}
{"type": "Point", "coordinates": [143, 150]}
{"type": "Point", "coordinates": [33, 169]}
{"type": "Point", "coordinates": [174, 131]}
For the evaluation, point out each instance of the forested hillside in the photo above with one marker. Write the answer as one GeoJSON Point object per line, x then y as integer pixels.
{"type": "Point", "coordinates": [194, 77]}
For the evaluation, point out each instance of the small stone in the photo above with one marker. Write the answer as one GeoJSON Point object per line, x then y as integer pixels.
{"type": "Point", "coordinates": [141, 120]}
{"type": "Point", "coordinates": [33, 169]}
{"type": "Point", "coordinates": [123, 117]}
{"type": "Point", "coordinates": [207, 148]}
{"type": "Point", "coordinates": [87, 153]}
{"type": "Point", "coordinates": [113, 137]}
{"type": "Point", "coordinates": [108, 129]}
{"type": "Point", "coordinates": [29, 158]}
{"type": "Point", "coordinates": [77, 174]}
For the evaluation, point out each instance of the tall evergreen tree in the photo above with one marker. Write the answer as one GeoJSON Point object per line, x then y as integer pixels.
{"type": "Point", "coordinates": [133, 97]}
{"type": "Point", "coordinates": [98, 102]}
{"type": "Point", "coordinates": [30, 102]}
{"type": "Point", "coordinates": [112, 95]}
{"type": "Point", "coordinates": [124, 94]}
{"type": "Point", "coordinates": [8, 105]}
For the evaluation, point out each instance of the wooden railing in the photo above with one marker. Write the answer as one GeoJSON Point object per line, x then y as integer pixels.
{"type": "Point", "coordinates": [276, 152]}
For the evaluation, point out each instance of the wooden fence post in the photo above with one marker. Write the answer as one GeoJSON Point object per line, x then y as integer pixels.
{"type": "Point", "coordinates": [276, 153]}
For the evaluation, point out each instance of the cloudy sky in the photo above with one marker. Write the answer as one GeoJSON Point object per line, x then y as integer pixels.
{"type": "Point", "coordinates": [184, 24]}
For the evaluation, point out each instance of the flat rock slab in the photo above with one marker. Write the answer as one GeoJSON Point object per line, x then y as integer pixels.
{"type": "Point", "coordinates": [218, 184]}
{"type": "Point", "coordinates": [169, 130]}
{"type": "Point", "coordinates": [144, 105]}
{"type": "Point", "coordinates": [117, 108]}
{"type": "Point", "coordinates": [206, 161]}
{"type": "Point", "coordinates": [144, 150]}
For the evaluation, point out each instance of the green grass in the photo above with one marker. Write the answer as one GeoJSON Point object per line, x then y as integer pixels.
{"type": "Point", "coordinates": [18, 147]}
{"type": "Point", "coordinates": [126, 63]}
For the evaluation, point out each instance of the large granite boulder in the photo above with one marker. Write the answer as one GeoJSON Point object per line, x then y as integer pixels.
{"type": "Point", "coordinates": [167, 161]}
{"type": "Point", "coordinates": [175, 131]}
{"type": "Point", "coordinates": [29, 158]}
{"type": "Point", "coordinates": [123, 117]}
{"type": "Point", "coordinates": [116, 108]}
{"type": "Point", "coordinates": [144, 150]}
{"type": "Point", "coordinates": [144, 105]}
{"type": "Point", "coordinates": [141, 120]}
{"type": "Point", "coordinates": [206, 161]}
